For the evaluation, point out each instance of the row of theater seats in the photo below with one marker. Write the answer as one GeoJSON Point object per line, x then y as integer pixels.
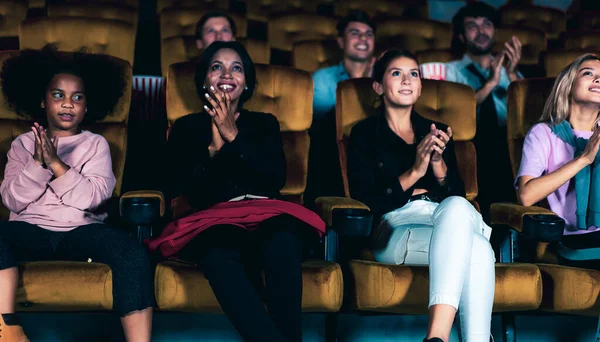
{"type": "Point", "coordinates": [304, 39]}
{"type": "Point", "coordinates": [308, 39]}
{"type": "Point", "coordinates": [345, 277]}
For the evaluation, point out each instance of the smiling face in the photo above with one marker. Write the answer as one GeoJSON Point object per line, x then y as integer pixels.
{"type": "Point", "coordinates": [226, 73]}
{"type": "Point", "coordinates": [479, 35]}
{"type": "Point", "coordinates": [586, 86]}
{"type": "Point", "coordinates": [215, 29]}
{"type": "Point", "coordinates": [358, 41]}
{"type": "Point", "coordinates": [65, 104]}
{"type": "Point", "coordinates": [401, 83]}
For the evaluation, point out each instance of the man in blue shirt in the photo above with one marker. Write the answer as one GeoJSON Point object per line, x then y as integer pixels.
{"type": "Point", "coordinates": [356, 37]}
{"type": "Point", "coordinates": [489, 75]}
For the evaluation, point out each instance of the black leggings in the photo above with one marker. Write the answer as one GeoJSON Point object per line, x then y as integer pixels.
{"type": "Point", "coordinates": [231, 259]}
{"type": "Point", "coordinates": [132, 276]}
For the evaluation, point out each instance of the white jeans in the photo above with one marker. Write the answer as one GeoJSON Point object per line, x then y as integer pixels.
{"type": "Point", "coordinates": [452, 239]}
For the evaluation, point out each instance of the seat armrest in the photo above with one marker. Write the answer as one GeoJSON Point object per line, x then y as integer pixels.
{"type": "Point", "coordinates": [142, 207]}
{"type": "Point", "coordinates": [346, 216]}
{"type": "Point", "coordinates": [533, 222]}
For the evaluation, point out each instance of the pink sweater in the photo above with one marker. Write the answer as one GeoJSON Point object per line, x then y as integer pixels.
{"type": "Point", "coordinates": [32, 195]}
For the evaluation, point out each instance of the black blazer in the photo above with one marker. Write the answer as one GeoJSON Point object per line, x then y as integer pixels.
{"type": "Point", "coordinates": [377, 157]}
{"type": "Point", "coordinates": [254, 163]}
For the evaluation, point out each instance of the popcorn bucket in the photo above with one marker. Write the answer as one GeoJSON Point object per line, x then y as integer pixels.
{"type": "Point", "coordinates": [433, 71]}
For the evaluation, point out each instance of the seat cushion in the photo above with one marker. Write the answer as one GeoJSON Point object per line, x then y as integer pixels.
{"type": "Point", "coordinates": [64, 286]}
{"type": "Point", "coordinates": [405, 289]}
{"type": "Point", "coordinates": [570, 290]}
{"type": "Point", "coordinates": [182, 287]}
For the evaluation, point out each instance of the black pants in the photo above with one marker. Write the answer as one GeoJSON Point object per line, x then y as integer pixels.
{"type": "Point", "coordinates": [231, 259]}
{"type": "Point", "coordinates": [133, 285]}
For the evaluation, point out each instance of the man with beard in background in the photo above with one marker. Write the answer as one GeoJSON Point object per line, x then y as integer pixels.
{"type": "Point", "coordinates": [489, 75]}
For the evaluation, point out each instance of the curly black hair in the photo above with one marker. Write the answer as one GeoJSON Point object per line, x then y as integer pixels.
{"type": "Point", "coordinates": [26, 77]}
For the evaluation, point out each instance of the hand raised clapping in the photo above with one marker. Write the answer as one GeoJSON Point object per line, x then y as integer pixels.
{"type": "Point", "coordinates": [512, 52]}
{"type": "Point", "coordinates": [431, 148]}
{"type": "Point", "coordinates": [45, 148]}
{"type": "Point", "coordinates": [223, 114]}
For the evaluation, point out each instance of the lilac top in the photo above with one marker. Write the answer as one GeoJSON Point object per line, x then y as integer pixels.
{"type": "Point", "coordinates": [543, 153]}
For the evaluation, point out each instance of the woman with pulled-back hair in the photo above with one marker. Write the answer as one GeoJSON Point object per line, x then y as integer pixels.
{"type": "Point", "coordinates": [404, 168]}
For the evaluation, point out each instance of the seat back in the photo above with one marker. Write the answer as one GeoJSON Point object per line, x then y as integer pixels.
{"type": "Point", "coordinates": [193, 4]}
{"type": "Point", "coordinates": [289, 28]}
{"type": "Point", "coordinates": [112, 127]}
{"type": "Point", "coordinates": [130, 3]}
{"type": "Point", "coordinates": [102, 36]}
{"type": "Point", "coordinates": [533, 42]}
{"type": "Point", "coordinates": [39, 4]}
{"type": "Point", "coordinates": [312, 55]}
{"type": "Point", "coordinates": [285, 92]}
{"type": "Point", "coordinates": [552, 21]}
{"type": "Point", "coordinates": [525, 104]}
{"type": "Point", "coordinates": [439, 56]}
{"type": "Point", "coordinates": [587, 40]}
{"type": "Point", "coordinates": [450, 103]}
{"type": "Point", "coordinates": [556, 61]}
{"type": "Point", "coordinates": [413, 34]}
{"type": "Point", "coordinates": [12, 12]}
{"type": "Point", "coordinates": [118, 12]}
{"type": "Point", "coordinates": [262, 10]}
{"type": "Point", "coordinates": [383, 8]}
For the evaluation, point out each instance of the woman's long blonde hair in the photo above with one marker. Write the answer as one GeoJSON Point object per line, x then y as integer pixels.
{"type": "Point", "coordinates": [558, 105]}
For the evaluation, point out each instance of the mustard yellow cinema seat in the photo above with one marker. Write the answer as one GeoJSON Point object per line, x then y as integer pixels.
{"type": "Point", "coordinates": [102, 36]}
{"type": "Point", "coordinates": [75, 286]}
{"type": "Point", "coordinates": [533, 42]}
{"type": "Point", "coordinates": [401, 289]}
{"type": "Point", "coordinates": [413, 34]}
{"type": "Point", "coordinates": [130, 3]}
{"type": "Point", "coordinates": [287, 93]}
{"type": "Point", "coordinates": [285, 29]}
{"type": "Point", "coordinates": [555, 61]}
{"type": "Point", "coordinates": [203, 4]}
{"type": "Point", "coordinates": [12, 12]}
{"type": "Point", "coordinates": [549, 20]}
{"type": "Point", "coordinates": [567, 290]}
{"type": "Point", "coordinates": [262, 10]}
{"type": "Point", "coordinates": [312, 55]}
{"type": "Point", "coordinates": [384, 8]}
{"type": "Point", "coordinates": [588, 40]}
{"type": "Point", "coordinates": [119, 12]}
{"type": "Point", "coordinates": [440, 56]}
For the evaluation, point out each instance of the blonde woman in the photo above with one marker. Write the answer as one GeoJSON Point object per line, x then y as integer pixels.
{"type": "Point", "coordinates": [559, 164]}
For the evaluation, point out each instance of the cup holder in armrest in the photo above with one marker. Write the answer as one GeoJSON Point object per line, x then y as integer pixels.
{"type": "Point", "coordinates": [140, 210]}
{"type": "Point", "coordinates": [543, 227]}
{"type": "Point", "coordinates": [352, 222]}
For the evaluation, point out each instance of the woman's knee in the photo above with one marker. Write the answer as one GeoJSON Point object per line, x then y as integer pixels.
{"type": "Point", "coordinates": [457, 209]}
{"type": "Point", "coordinates": [482, 250]}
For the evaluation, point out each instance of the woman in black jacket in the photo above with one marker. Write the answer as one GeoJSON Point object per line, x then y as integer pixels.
{"type": "Point", "coordinates": [404, 168]}
{"type": "Point", "coordinates": [224, 161]}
